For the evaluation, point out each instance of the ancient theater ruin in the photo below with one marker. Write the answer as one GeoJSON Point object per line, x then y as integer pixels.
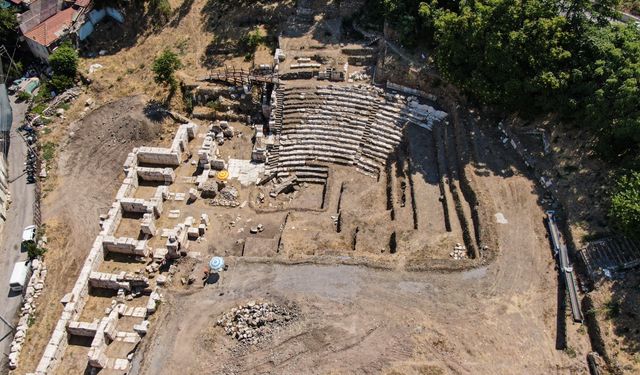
{"type": "Point", "coordinates": [310, 161]}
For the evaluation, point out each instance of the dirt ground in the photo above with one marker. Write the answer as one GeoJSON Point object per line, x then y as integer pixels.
{"type": "Point", "coordinates": [496, 319]}
{"type": "Point", "coordinates": [617, 308]}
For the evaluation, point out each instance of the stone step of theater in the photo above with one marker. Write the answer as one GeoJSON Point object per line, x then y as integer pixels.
{"type": "Point", "coordinates": [356, 126]}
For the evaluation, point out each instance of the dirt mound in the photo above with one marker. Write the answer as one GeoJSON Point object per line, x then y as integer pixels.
{"type": "Point", "coordinates": [126, 120]}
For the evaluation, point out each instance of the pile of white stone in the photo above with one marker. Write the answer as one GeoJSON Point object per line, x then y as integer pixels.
{"type": "Point", "coordinates": [33, 290]}
{"type": "Point", "coordinates": [459, 252]}
{"type": "Point", "coordinates": [359, 76]}
{"type": "Point", "coordinates": [227, 197]}
{"type": "Point", "coordinates": [253, 321]}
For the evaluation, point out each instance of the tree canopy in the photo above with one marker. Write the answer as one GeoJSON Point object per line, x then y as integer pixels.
{"type": "Point", "coordinates": [8, 26]}
{"type": "Point", "coordinates": [164, 66]}
{"type": "Point", "coordinates": [64, 63]}
{"type": "Point", "coordinates": [625, 204]}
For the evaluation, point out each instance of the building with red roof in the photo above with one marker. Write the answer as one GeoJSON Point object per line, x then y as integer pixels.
{"type": "Point", "coordinates": [44, 25]}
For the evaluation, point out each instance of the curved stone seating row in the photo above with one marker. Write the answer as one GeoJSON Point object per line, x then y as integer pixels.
{"type": "Point", "coordinates": [345, 130]}
{"type": "Point", "coordinates": [355, 125]}
{"type": "Point", "coordinates": [305, 136]}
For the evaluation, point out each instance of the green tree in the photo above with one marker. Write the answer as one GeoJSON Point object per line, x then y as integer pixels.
{"type": "Point", "coordinates": [164, 66]}
{"type": "Point", "coordinates": [8, 26]}
{"type": "Point", "coordinates": [509, 53]}
{"type": "Point", "coordinates": [625, 204]}
{"type": "Point", "coordinates": [250, 41]}
{"type": "Point", "coordinates": [64, 62]}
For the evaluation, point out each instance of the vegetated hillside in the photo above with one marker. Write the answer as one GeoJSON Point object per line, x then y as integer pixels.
{"type": "Point", "coordinates": [538, 57]}
{"type": "Point", "coordinates": [205, 34]}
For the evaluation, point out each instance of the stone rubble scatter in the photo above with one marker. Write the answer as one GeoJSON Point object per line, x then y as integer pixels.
{"type": "Point", "coordinates": [227, 197]}
{"type": "Point", "coordinates": [253, 321]}
{"type": "Point", "coordinates": [33, 290]}
{"type": "Point", "coordinates": [459, 252]}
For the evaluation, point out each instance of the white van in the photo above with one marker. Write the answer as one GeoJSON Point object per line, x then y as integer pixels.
{"type": "Point", "coordinates": [20, 276]}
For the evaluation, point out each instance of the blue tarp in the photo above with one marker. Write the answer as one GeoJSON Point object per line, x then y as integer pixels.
{"type": "Point", "coordinates": [95, 16]}
{"type": "Point", "coordinates": [115, 15]}
{"type": "Point", "coordinates": [85, 30]}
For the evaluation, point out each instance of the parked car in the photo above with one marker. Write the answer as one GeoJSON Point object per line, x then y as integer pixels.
{"type": "Point", "coordinates": [28, 235]}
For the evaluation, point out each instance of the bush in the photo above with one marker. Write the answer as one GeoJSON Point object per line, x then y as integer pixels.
{"type": "Point", "coordinates": [61, 82]}
{"type": "Point", "coordinates": [33, 250]}
{"type": "Point", "coordinates": [251, 40]}
{"type": "Point", "coordinates": [611, 309]}
{"type": "Point", "coordinates": [161, 8]}
{"type": "Point", "coordinates": [164, 66]}
{"type": "Point", "coordinates": [48, 151]}
{"type": "Point", "coordinates": [23, 96]}
{"type": "Point", "coordinates": [625, 204]}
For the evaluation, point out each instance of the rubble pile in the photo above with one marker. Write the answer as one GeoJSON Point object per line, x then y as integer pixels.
{"type": "Point", "coordinates": [227, 197]}
{"type": "Point", "coordinates": [209, 189]}
{"type": "Point", "coordinates": [253, 321]}
{"type": "Point", "coordinates": [459, 252]}
{"type": "Point", "coordinates": [65, 97]}
{"type": "Point", "coordinates": [359, 76]}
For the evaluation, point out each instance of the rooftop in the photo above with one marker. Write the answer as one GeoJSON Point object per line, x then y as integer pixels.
{"type": "Point", "coordinates": [51, 29]}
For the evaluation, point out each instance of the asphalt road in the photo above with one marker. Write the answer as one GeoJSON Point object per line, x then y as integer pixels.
{"type": "Point", "coordinates": [19, 215]}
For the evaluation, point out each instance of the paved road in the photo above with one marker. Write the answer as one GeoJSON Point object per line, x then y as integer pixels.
{"type": "Point", "coordinates": [19, 215]}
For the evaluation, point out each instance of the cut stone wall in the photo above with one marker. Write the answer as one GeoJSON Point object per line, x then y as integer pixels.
{"type": "Point", "coordinates": [163, 175]}
{"type": "Point", "coordinates": [157, 156]}
{"type": "Point", "coordinates": [125, 245]}
{"type": "Point", "coordinates": [82, 329]}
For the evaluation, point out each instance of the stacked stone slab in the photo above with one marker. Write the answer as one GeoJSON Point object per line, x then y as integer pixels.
{"type": "Point", "coordinates": [162, 175]}
{"type": "Point", "coordinates": [141, 163]}
{"type": "Point", "coordinates": [123, 280]}
{"type": "Point", "coordinates": [125, 245]}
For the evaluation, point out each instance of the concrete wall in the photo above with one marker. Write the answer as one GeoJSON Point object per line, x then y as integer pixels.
{"type": "Point", "coordinates": [38, 49]}
{"type": "Point", "coordinates": [4, 189]}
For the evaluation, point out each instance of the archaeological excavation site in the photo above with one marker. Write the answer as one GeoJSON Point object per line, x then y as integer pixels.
{"type": "Point", "coordinates": [308, 214]}
{"type": "Point", "coordinates": [316, 170]}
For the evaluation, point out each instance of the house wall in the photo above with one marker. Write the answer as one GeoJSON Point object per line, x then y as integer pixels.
{"type": "Point", "coordinates": [38, 49]}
